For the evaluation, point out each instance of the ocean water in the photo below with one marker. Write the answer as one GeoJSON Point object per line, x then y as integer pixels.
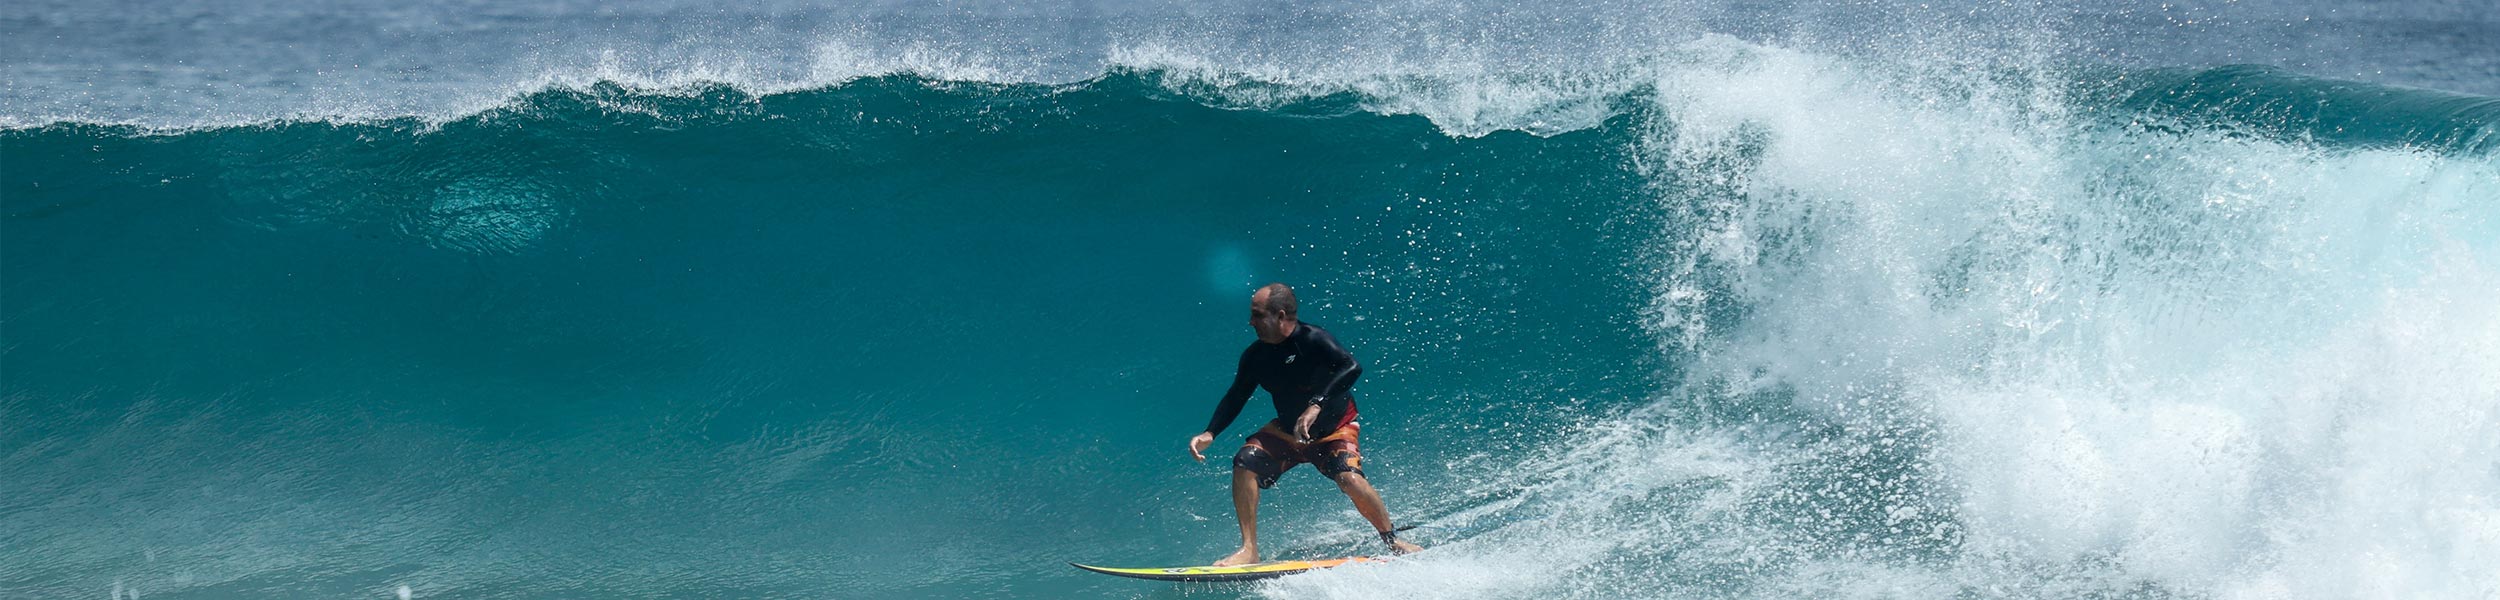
{"type": "Point", "coordinates": [1657, 299]}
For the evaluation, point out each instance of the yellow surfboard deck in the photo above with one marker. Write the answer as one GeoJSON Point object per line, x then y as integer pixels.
{"type": "Point", "coordinates": [1274, 568]}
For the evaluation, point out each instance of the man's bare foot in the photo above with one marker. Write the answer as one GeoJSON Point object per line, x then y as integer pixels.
{"type": "Point", "coordinates": [1404, 547]}
{"type": "Point", "coordinates": [1245, 555]}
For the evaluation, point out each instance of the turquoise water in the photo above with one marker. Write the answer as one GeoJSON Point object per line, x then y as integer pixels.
{"type": "Point", "coordinates": [1731, 320]}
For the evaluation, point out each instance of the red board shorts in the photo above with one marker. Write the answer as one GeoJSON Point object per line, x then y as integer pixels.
{"type": "Point", "coordinates": [1272, 451]}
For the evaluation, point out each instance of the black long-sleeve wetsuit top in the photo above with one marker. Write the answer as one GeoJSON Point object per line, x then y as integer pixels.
{"type": "Point", "coordinates": [1309, 367]}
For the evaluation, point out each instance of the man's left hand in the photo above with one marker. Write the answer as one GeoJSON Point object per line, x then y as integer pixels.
{"type": "Point", "coordinates": [1302, 426]}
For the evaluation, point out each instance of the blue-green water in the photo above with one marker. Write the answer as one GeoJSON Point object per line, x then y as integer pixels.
{"type": "Point", "coordinates": [1731, 320]}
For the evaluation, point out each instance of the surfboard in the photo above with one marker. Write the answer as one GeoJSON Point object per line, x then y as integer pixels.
{"type": "Point", "coordinates": [1264, 570]}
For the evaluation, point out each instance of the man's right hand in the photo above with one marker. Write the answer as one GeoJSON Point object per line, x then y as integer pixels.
{"type": "Point", "coordinates": [1198, 445]}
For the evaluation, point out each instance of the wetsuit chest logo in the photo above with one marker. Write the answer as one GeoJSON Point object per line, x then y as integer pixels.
{"type": "Point", "coordinates": [1289, 358]}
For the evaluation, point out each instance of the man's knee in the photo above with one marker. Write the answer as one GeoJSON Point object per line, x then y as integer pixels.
{"type": "Point", "coordinates": [1262, 467]}
{"type": "Point", "coordinates": [1346, 467]}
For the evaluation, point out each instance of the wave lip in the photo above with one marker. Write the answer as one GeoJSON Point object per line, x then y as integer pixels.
{"type": "Point", "coordinates": [2275, 102]}
{"type": "Point", "coordinates": [1462, 96]}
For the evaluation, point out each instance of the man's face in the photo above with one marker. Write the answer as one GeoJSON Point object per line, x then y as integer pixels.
{"type": "Point", "coordinates": [1271, 325]}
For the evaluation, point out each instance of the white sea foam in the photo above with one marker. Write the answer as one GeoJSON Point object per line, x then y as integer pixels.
{"type": "Point", "coordinates": [2215, 365]}
{"type": "Point", "coordinates": [2198, 364]}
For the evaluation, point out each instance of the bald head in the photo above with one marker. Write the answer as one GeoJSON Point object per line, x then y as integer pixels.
{"type": "Point", "coordinates": [1272, 313]}
{"type": "Point", "coordinates": [1276, 297]}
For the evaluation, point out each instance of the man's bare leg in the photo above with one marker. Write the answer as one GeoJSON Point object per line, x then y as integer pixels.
{"type": "Point", "coordinates": [1367, 501]}
{"type": "Point", "coordinates": [1246, 510]}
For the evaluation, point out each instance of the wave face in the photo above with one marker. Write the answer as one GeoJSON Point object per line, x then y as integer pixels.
{"type": "Point", "coordinates": [1730, 320]}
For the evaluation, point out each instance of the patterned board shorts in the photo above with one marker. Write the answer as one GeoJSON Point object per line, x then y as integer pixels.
{"type": "Point", "coordinates": [1272, 451]}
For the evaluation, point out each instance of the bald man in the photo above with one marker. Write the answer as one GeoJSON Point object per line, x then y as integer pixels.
{"type": "Point", "coordinates": [1310, 379]}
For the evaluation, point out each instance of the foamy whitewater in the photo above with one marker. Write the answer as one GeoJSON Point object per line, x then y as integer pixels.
{"type": "Point", "coordinates": [1674, 300]}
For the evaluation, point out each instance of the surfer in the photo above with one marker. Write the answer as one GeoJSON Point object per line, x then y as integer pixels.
{"type": "Point", "coordinates": [1310, 378]}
